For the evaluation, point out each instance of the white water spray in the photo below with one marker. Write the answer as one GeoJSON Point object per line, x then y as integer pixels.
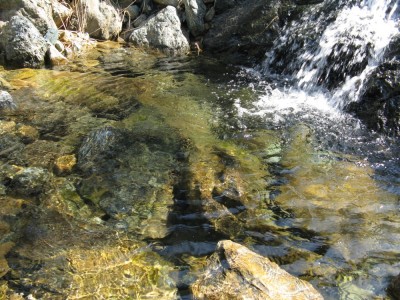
{"type": "Point", "coordinates": [349, 48]}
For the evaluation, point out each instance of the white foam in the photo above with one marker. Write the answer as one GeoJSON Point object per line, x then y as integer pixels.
{"type": "Point", "coordinates": [363, 31]}
{"type": "Point", "coordinates": [278, 104]}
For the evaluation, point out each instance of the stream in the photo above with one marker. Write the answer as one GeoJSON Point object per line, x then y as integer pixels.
{"type": "Point", "coordinates": [122, 170]}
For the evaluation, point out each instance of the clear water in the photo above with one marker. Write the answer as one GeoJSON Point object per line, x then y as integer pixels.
{"type": "Point", "coordinates": [200, 152]}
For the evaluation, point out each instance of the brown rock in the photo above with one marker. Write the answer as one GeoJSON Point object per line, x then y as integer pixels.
{"type": "Point", "coordinates": [64, 164]}
{"type": "Point", "coordinates": [28, 133]}
{"type": "Point", "coordinates": [4, 249]}
{"type": "Point", "coordinates": [235, 272]}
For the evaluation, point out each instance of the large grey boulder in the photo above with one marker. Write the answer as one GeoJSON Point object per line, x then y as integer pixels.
{"type": "Point", "coordinates": [195, 11]}
{"type": "Point", "coordinates": [39, 12]}
{"type": "Point", "coordinates": [162, 32]}
{"type": "Point", "coordinates": [100, 19]}
{"type": "Point", "coordinates": [22, 43]}
{"type": "Point", "coordinates": [235, 272]}
{"type": "Point", "coordinates": [245, 32]}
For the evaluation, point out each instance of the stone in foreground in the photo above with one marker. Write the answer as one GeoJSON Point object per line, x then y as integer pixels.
{"type": "Point", "coordinates": [235, 272]}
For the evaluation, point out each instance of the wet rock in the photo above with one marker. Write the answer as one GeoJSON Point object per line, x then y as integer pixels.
{"type": "Point", "coordinates": [195, 11]}
{"type": "Point", "coordinates": [65, 163]}
{"type": "Point", "coordinates": [6, 101]}
{"type": "Point", "coordinates": [102, 19]}
{"type": "Point", "coordinates": [4, 249]}
{"type": "Point", "coordinates": [30, 181]}
{"type": "Point", "coordinates": [28, 133]}
{"type": "Point", "coordinates": [244, 32]}
{"type": "Point", "coordinates": [162, 32]}
{"type": "Point", "coordinates": [22, 43]}
{"type": "Point", "coordinates": [235, 272]}
{"type": "Point", "coordinates": [379, 103]}
{"type": "Point", "coordinates": [394, 287]}
{"type": "Point", "coordinates": [100, 145]}
{"type": "Point", "coordinates": [129, 176]}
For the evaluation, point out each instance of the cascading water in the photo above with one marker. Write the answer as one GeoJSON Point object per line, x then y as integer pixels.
{"type": "Point", "coordinates": [320, 64]}
{"type": "Point", "coordinates": [322, 59]}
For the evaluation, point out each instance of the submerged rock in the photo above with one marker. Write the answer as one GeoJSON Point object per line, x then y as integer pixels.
{"type": "Point", "coordinates": [6, 101]}
{"type": "Point", "coordinates": [100, 145]}
{"type": "Point", "coordinates": [22, 43]}
{"type": "Point", "coordinates": [30, 181]}
{"type": "Point", "coordinates": [162, 32]}
{"type": "Point", "coordinates": [235, 272]}
{"type": "Point", "coordinates": [129, 176]}
{"type": "Point", "coordinates": [81, 260]}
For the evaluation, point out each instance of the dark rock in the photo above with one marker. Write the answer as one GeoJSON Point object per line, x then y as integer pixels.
{"type": "Point", "coordinates": [303, 27]}
{"type": "Point", "coordinates": [394, 288]}
{"type": "Point", "coordinates": [244, 33]}
{"type": "Point", "coordinates": [133, 12]}
{"type": "Point", "coordinates": [99, 146]}
{"type": "Point", "coordinates": [195, 10]}
{"type": "Point", "coordinates": [210, 14]}
{"type": "Point", "coordinates": [223, 5]}
{"type": "Point", "coordinates": [128, 174]}
{"type": "Point", "coordinates": [308, 2]}
{"type": "Point", "coordinates": [174, 3]}
{"type": "Point", "coordinates": [139, 20]}
{"type": "Point", "coordinates": [379, 103]}
{"type": "Point", "coordinates": [22, 43]}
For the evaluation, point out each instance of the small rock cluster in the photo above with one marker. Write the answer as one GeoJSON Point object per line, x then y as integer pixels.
{"type": "Point", "coordinates": [35, 32]}
{"type": "Point", "coordinates": [30, 35]}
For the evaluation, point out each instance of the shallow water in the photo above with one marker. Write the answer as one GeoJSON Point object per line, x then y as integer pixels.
{"type": "Point", "coordinates": [171, 158]}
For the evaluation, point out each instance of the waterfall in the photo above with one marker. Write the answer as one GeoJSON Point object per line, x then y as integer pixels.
{"type": "Point", "coordinates": [334, 46]}
{"type": "Point", "coordinates": [349, 49]}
